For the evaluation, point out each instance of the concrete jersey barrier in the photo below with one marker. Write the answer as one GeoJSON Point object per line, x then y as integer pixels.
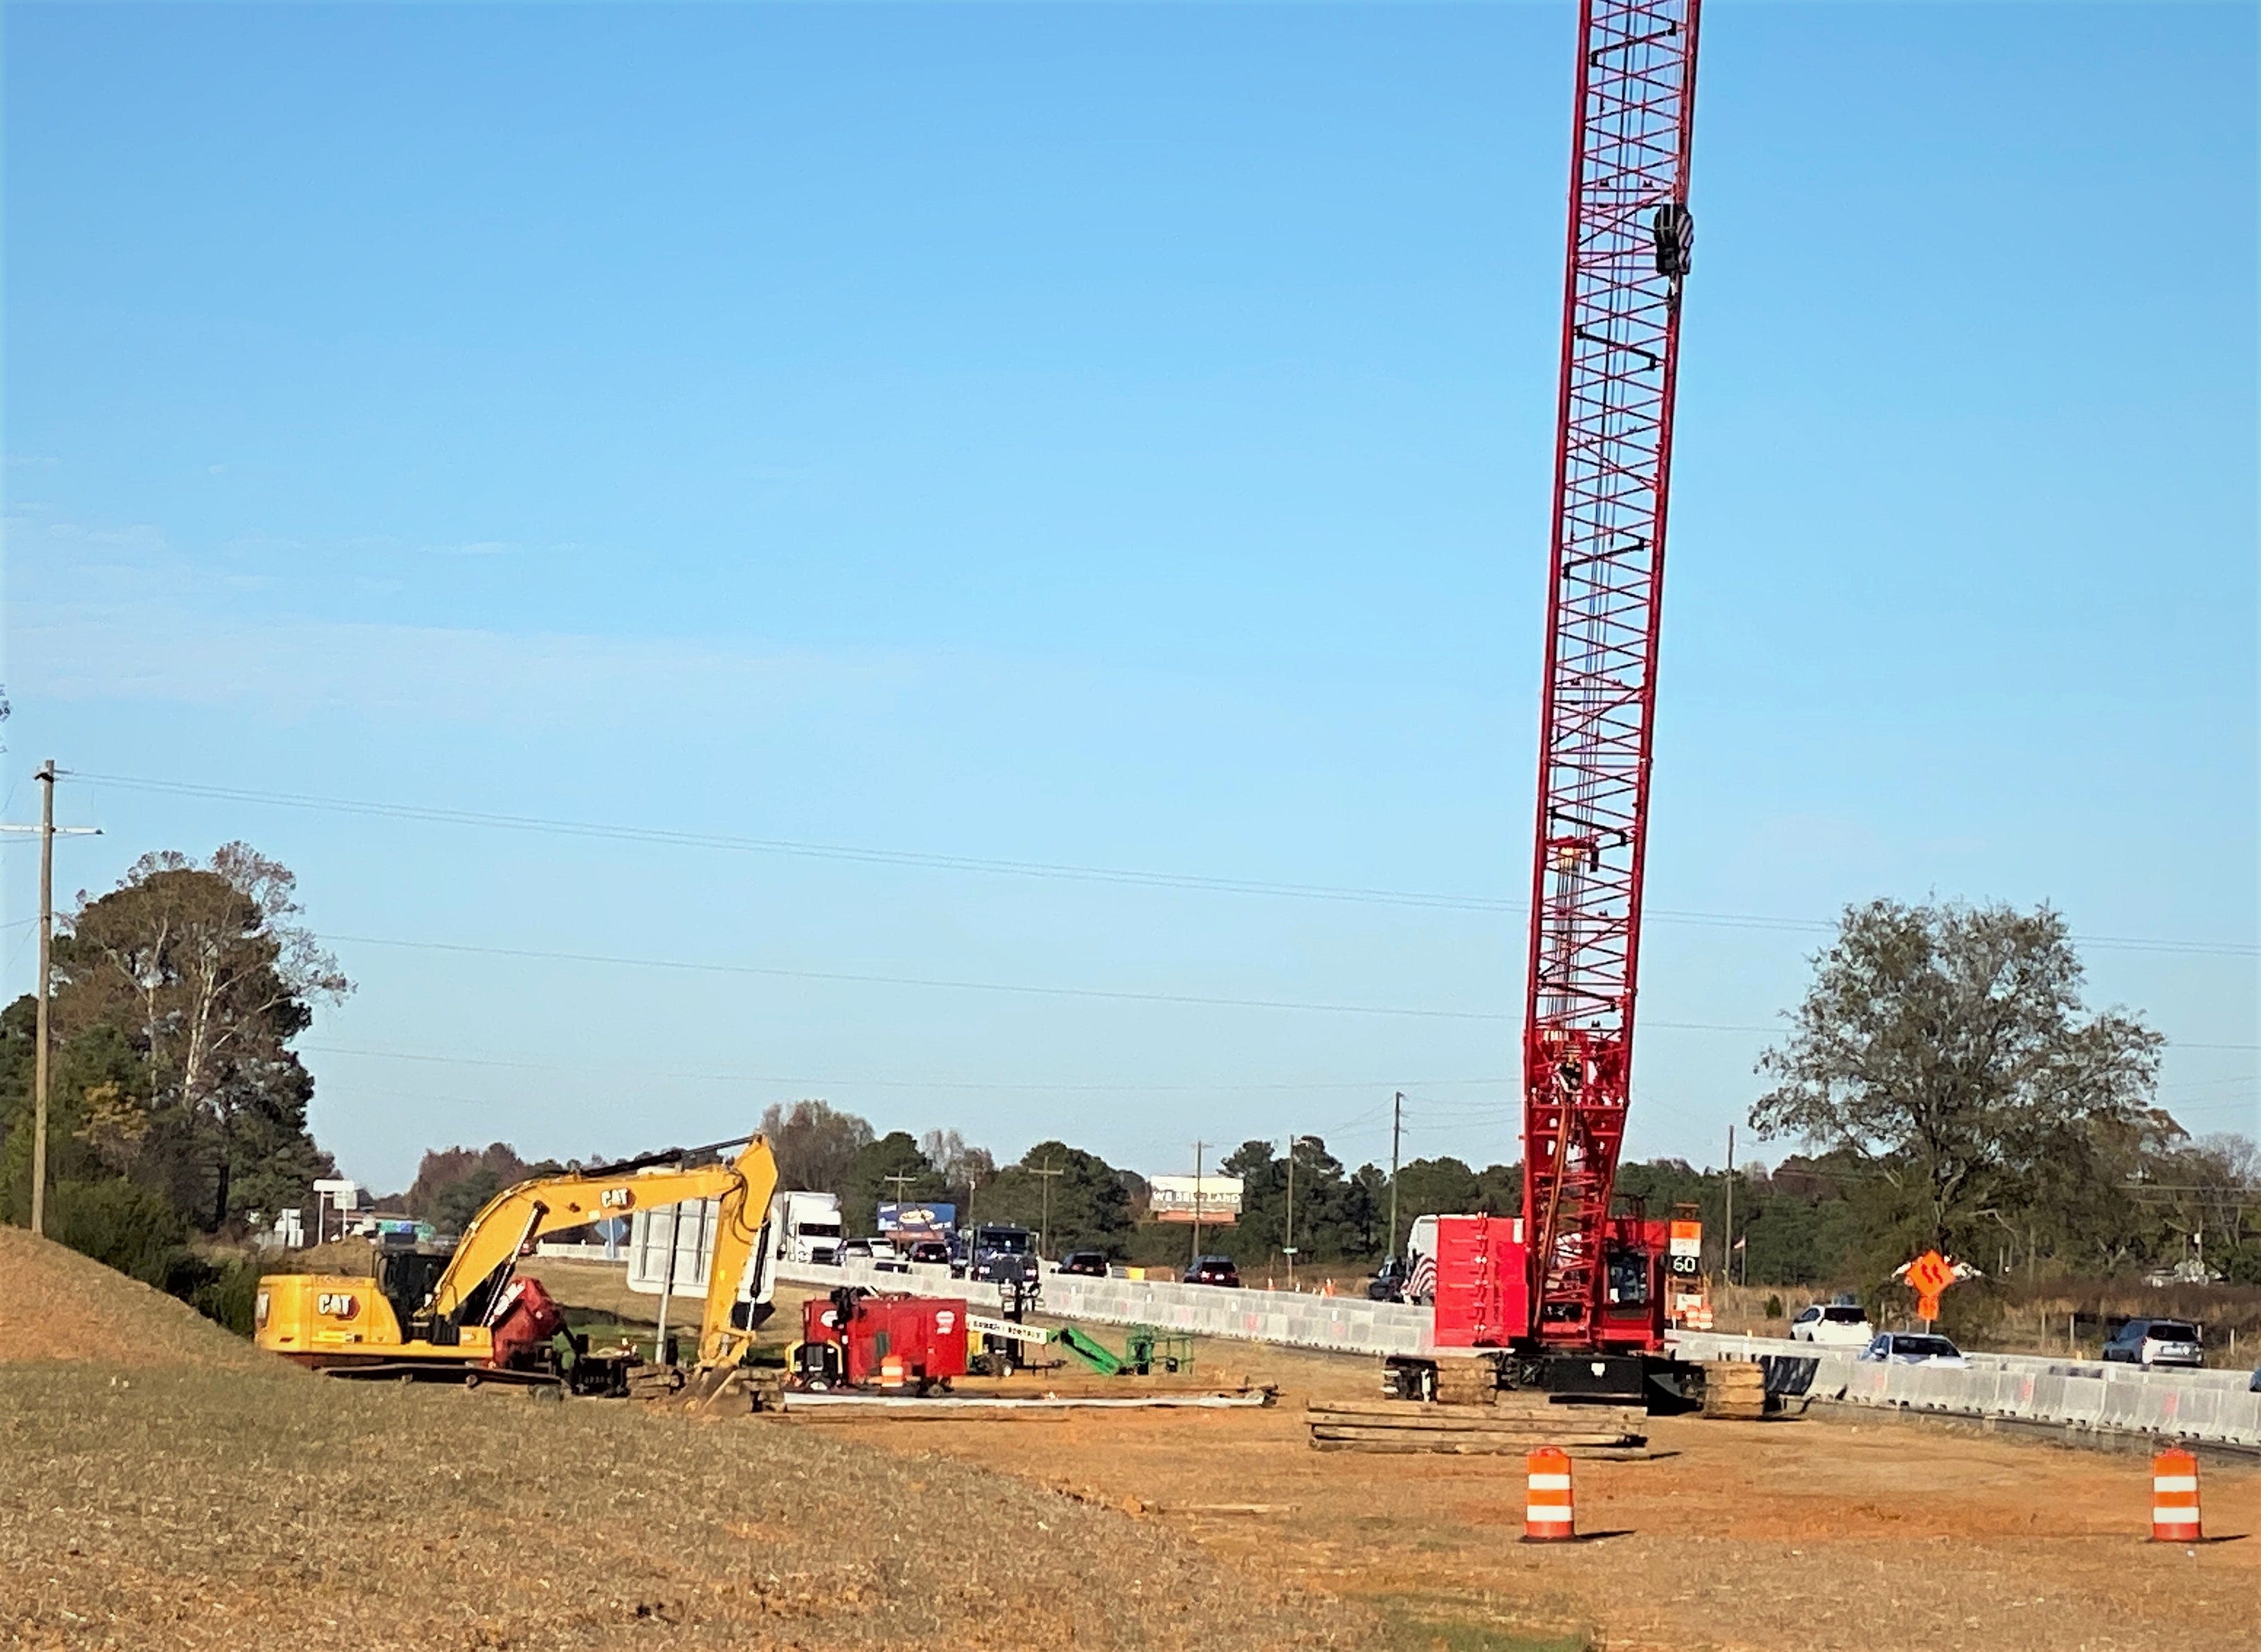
{"type": "Point", "coordinates": [2199, 1405]}
{"type": "Point", "coordinates": [2202, 1405]}
{"type": "Point", "coordinates": [1343, 1324]}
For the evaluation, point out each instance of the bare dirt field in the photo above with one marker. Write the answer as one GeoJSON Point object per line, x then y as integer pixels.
{"type": "Point", "coordinates": [169, 1486]}
{"type": "Point", "coordinates": [1793, 1535]}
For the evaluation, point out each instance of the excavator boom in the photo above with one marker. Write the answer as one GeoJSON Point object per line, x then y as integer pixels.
{"type": "Point", "coordinates": [475, 1320]}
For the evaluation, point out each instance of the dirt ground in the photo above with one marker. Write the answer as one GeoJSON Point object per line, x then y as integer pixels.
{"type": "Point", "coordinates": [1796, 1535]}
{"type": "Point", "coordinates": [169, 1486]}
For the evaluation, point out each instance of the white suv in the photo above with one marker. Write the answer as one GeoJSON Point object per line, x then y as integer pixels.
{"type": "Point", "coordinates": [1838, 1323]}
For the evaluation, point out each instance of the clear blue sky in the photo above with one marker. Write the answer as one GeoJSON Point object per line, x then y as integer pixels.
{"type": "Point", "coordinates": [1115, 436]}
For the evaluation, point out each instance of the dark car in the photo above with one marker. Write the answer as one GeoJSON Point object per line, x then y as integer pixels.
{"type": "Point", "coordinates": [1090, 1264]}
{"type": "Point", "coordinates": [930, 1252]}
{"type": "Point", "coordinates": [1212, 1270]}
{"type": "Point", "coordinates": [1388, 1285]}
{"type": "Point", "coordinates": [2150, 1342]}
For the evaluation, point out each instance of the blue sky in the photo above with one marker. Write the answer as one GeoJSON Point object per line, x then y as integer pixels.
{"type": "Point", "coordinates": [1111, 436]}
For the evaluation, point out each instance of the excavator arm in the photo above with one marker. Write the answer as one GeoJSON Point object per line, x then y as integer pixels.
{"type": "Point", "coordinates": [519, 1216]}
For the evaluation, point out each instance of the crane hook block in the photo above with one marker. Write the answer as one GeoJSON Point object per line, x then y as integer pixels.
{"type": "Point", "coordinates": [1673, 228]}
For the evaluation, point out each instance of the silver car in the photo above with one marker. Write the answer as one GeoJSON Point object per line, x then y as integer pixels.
{"type": "Point", "coordinates": [1915, 1347]}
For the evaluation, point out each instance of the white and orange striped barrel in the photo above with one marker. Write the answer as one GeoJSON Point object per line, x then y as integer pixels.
{"type": "Point", "coordinates": [1548, 1517]}
{"type": "Point", "coordinates": [2174, 1498]}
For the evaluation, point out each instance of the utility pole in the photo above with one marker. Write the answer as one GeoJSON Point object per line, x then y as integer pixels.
{"type": "Point", "coordinates": [1044, 1221]}
{"type": "Point", "coordinates": [47, 829]}
{"type": "Point", "coordinates": [1727, 1258]}
{"type": "Point", "coordinates": [1195, 1252]}
{"type": "Point", "coordinates": [1288, 1245]}
{"type": "Point", "coordinates": [1396, 1125]}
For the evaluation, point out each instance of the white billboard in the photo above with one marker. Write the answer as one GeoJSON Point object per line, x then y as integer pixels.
{"type": "Point", "coordinates": [1183, 1198]}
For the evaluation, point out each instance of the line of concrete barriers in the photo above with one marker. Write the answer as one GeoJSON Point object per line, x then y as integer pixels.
{"type": "Point", "coordinates": [1343, 1324]}
{"type": "Point", "coordinates": [2204, 1405]}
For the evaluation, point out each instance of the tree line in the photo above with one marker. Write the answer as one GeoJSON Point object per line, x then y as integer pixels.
{"type": "Point", "coordinates": [1942, 1082]}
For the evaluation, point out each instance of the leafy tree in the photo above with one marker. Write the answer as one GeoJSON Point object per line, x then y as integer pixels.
{"type": "Point", "coordinates": [453, 1206]}
{"type": "Point", "coordinates": [176, 997]}
{"type": "Point", "coordinates": [816, 1145]}
{"type": "Point", "coordinates": [1946, 1049]}
{"type": "Point", "coordinates": [1499, 1190]}
{"type": "Point", "coordinates": [962, 1168]}
{"type": "Point", "coordinates": [437, 1193]}
{"type": "Point", "coordinates": [1337, 1217]}
{"type": "Point", "coordinates": [1087, 1207]}
{"type": "Point", "coordinates": [871, 1179]}
{"type": "Point", "coordinates": [1435, 1187]}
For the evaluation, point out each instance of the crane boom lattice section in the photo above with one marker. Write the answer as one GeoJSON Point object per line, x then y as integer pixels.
{"type": "Point", "coordinates": [1630, 238]}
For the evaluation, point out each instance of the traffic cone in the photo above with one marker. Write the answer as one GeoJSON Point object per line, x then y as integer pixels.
{"type": "Point", "coordinates": [1547, 1512]}
{"type": "Point", "coordinates": [2174, 1498]}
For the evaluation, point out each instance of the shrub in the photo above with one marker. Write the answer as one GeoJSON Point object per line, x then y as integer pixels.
{"type": "Point", "coordinates": [230, 1296]}
{"type": "Point", "coordinates": [121, 1225]}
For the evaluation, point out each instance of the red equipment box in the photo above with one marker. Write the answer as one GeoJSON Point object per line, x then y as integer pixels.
{"type": "Point", "coordinates": [1483, 1287]}
{"type": "Point", "coordinates": [1483, 1281]}
{"type": "Point", "coordinates": [889, 1341]}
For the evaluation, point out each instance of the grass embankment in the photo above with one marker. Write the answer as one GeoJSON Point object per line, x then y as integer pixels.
{"type": "Point", "coordinates": [170, 1485]}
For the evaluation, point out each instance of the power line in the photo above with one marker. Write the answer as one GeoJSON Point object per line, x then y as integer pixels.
{"type": "Point", "coordinates": [619, 960]}
{"type": "Point", "coordinates": [1031, 868]}
{"type": "Point", "coordinates": [623, 961]}
{"type": "Point", "coordinates": [528, 1064]}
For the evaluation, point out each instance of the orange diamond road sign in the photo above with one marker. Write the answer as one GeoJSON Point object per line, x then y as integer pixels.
{"type": "Point", "coordinates": [1928, 1276]}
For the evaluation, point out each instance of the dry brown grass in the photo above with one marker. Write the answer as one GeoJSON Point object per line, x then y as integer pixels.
{"type": "Point", "coordinates": [169, 1486]}
{"type": "Point", "coordinates": [192, 1509]}
{"type": "Point", "coordinates": [57, 1304]}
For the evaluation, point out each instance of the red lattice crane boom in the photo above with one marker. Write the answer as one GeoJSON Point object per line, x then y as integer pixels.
{"type": "Point", "coordinates": [1629, 243]}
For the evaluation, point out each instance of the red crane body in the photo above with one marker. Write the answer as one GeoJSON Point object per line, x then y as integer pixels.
{"type": "Point", "coordinates": [1630, 237]}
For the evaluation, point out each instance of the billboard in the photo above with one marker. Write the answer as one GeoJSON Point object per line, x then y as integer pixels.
{"type": "Point", "coordinates": [1176, 1198]}
{"type": "Point", "coordinates": [918, 1221]}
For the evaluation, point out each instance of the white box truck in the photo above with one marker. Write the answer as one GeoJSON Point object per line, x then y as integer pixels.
{"type": "Point", "coordinates": [805, 1228]}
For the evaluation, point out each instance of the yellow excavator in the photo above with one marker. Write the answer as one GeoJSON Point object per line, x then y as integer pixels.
{"type": "Point", "coordinates": [466, 1316]}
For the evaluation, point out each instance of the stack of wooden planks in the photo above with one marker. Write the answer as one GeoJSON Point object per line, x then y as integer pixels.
{"type": "Point", "coordinates": [1512, 1424]}
{"type": "Point", "coordinates": [1734, 1389]}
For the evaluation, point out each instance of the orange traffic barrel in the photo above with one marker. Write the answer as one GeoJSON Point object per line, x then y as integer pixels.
{"type": "Point", "coordinates": [892, 1372]}
{"type": "Point", "coordinates": [1547, 1512]}
{"type": "Point", "coordinates": [2174, 1498]}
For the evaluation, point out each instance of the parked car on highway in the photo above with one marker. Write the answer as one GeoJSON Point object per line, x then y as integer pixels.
{"type": "Point", "coordinates": [1915, 1347]}
{"type": "Point", "coordinates": [1833, 1323]}
{"type": "Point", "coordinates": [1212, 1270]}
{"type": "Point", "coordinates": [2149, 1342]}
{"type": "Point", "coordinates": [1089, 1264]}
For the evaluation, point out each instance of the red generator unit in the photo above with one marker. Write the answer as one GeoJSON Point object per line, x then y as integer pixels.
{"type": "Point", "coordinates": [860, 1339]}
